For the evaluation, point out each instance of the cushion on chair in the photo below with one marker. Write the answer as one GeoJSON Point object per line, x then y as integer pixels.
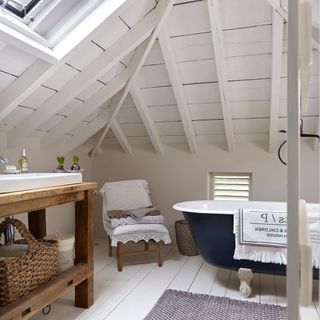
{"type": "Point", "coordinates": [138, 232]}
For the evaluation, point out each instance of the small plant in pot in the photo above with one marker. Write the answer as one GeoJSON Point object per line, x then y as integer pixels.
{"type": "Point", "coordinates": [60, 167]}
{"type": "Point", "coordinates": [75, 166]}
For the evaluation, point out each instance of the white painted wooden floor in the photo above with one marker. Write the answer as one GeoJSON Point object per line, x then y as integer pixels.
{"type": "Point", "coordinates": [132, 293]}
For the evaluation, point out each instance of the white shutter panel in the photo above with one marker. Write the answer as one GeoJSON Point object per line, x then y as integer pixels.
{"type": "Point", "coordinates": [231, 186]}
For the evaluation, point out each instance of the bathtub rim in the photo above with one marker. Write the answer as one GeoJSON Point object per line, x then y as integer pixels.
{"type": "Point", "coordinates": [232, 207]}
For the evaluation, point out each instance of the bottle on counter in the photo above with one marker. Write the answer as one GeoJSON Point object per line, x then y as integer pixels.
{"type": "Point", "coordinates": [23, 162]}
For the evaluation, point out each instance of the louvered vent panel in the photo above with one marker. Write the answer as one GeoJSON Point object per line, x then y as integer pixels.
{"type": "Point", "coordinates": [230, 186]}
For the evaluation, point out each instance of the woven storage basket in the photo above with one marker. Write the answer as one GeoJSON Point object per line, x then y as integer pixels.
{"type": "Point", "coordinates": [186, 244]}
{"type": "Point", "coordinates": [18, 276]}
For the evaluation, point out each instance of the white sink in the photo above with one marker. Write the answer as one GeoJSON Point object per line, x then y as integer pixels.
{"type": "Point", "coordinates": [28, 181]}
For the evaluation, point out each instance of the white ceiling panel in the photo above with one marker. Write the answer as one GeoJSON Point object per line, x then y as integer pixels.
{"type": "Point", "coordinates": [15, 61]}
{"type": "Point", "coordinates": [61, 77]}
{"type": "Point", "coordinates": [189, 18]}
{"type": "Point", "coordinates": [244, 13]}
{"type": "Point", "coordinates": [160, 96]}
{"type": "Point", "coordinates": [249, 126]}
{"type": "Point", "coordinates": [129, 115]}
{"type": "Point", "coordinates": [71, 106]}
{"type": "Point", "coordinates": [154, 76]}
{"type": "Point", "coordinates": [112, 73]}
{"type": "Point", "coordinates": [38, 97]}
{"type": "Point", "coordinates": [80, 60]}
{"type": "Point", "coordinates": [5, 80]}
{"type": "Point", "coordinates": [248, 41]}
{"type": "Point", "coordinates": [198, 71]}
{"type": "Point", "coordinates": [134, 129]}
{"type": "Point", "coordinates": [209, 127]}
{"type": "Point", "coordinates": [48, 125]}
{"type": "Point", "coordinates": [165, 113]}
{"type": "Point", "coordinates": [250, 90]}
{"type": "Point", "coordinates": [155, 55]}
{"type": "Point", "coordinates": [93, 115]}
{"type": "Point", "coordinates": [111, 33]}
{"type": "Point", "coordinates": [170, 128]}
{"type": "Point", "coordinates": [193, 47]}
{"type": "Point", "coordinates": [249, 67]}
{"type": "Point", "coordinates": [250, 109]}
{"type": "Point", "coordinates": [205, 111]}
{"type": "Point", "coordinates": [136, 10]}
{"type": "Point", "coordinates": [5, 128]}
{"type": "Point", "coordinates": [202, 92]}
{"type": "Point", "coordinates": [128, 102]}
{"type": "Point", "coordinates": [16, 116]}
{"type": "Point", "coordinates": [90, 90]}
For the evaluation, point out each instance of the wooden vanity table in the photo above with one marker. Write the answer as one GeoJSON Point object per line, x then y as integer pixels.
{"type": "Point", "coordinates": [80, 276]}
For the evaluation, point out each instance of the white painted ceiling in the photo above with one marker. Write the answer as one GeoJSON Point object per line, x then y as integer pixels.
{"type": "Point", "coordinates": [247, 40]}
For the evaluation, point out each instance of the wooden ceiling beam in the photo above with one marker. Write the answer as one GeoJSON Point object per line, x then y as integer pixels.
{"type": "Point", "coordinates": [221, 66]}
{"type": "Point", "coordinates": [102, 64]}
{"type": "Point", "coordinates": [84, 110]}
{"type": "Point", "coordinates": [276, 64]}
{"type": "Point", "coordinates": [144, 112]}
{"type": "Point", "coordinates": [177, 87]}
{"type": "Point", "coordinates": [92, 128]}
{"type": "Point", "coordinates": [162, 11]}
{"type": "Point", "coordinates": [20, 89]}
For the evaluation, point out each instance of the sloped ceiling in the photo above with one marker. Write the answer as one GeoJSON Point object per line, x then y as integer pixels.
{"type": "Point", "coordinates": [81, 112]}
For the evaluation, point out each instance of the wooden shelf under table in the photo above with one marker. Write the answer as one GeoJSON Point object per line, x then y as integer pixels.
{"type": "Point", "coordinates": [80, 276]}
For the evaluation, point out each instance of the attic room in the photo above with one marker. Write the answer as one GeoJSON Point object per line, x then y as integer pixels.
{"type": "Point", "coordinates": [159, 159]}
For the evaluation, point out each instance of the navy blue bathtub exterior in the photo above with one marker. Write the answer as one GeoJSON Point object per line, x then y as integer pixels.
{"type": "Point", "coordinates": [213, 234]}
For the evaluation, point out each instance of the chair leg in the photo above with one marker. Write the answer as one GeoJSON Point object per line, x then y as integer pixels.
{"type": "Point", "coordinates": [158, 254]}
{"type": "Point", "coordinates": [146, 246]}
{"type": "Point", "coordinates": [110, 247]}
{"type": "Point", "coordinates": [119, 260]}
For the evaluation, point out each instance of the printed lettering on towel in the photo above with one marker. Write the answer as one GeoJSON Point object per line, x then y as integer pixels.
{"type": "Point", "coordinates": [263, 228]}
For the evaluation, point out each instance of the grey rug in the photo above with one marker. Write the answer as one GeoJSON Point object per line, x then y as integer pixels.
{"type": "Point", "coordinates": [180, 305]}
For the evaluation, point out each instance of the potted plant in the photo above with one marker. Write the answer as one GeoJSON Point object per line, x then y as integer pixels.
{"type": "Point", "coordinates": [75, 166]}
{"type": "Point", "coordinates": [60, 167]}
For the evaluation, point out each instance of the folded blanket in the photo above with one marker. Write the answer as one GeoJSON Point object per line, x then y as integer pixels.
{"type": "Point", "coordinates": [113, 223]}
{"type": "Point", "coordinates": [135, 213]}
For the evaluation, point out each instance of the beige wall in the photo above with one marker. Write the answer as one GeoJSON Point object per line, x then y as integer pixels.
{"type": "Point", "coordinates": [59, 218]}
{"type": "Point", "coordinates": [178, 175]}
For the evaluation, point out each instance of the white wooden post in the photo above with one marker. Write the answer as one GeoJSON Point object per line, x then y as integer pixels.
{"type": "Point", "coordinates": [293, 168]}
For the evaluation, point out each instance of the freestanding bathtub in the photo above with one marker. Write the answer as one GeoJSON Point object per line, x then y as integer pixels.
{"type": "Point", "coordinates": [211, 225]}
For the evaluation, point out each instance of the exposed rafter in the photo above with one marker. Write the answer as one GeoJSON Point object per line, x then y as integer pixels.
{"type": "Point", "coordinates": [277, 40]}
{"type": "Point", "coordinates": [20, 89]}
{"type": "Point", "coordinates": [162, 11]}
{"type": "Point", "coordinates": [143, 110]}
{"type": "Point", "coordinates": [108, 59]}
{"type": "Point", "coordinates": [221, 65]}
{"type": "Point", "coordinates": [85, 109]}
{"type": "Point", "coordinates": [72, 44]}
{"type": "Point", "coordinates": [177, 87]}
{"type": "Point", "coordinates": [92, 128]}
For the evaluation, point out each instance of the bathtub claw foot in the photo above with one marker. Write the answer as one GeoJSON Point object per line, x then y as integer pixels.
{"type": "Point", "coordinates": [245, 276]}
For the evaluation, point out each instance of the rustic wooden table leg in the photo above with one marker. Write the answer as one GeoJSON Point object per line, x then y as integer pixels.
{"type": "Point", "coordinates": [37, 223]}
{"type": "Point", "coordinates": [84, 248]}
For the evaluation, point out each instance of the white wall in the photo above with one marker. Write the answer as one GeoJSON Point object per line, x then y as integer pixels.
{"type": "Point", "coordinates": [178, 175]}
{"type": "Point", "coordinates": [60, 218]}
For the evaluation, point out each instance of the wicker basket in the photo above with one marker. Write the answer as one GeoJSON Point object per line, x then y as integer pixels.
{"type": "Point", "coordinates": [186, 244]}
{"type": "Point", "coordinates": [18, 276]}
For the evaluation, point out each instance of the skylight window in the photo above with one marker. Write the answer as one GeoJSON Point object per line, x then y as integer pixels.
{"type": "Point", "coordinates": [19, 7]}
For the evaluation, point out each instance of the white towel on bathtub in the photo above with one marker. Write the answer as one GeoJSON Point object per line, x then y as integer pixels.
{"type": "Point", "coordinates": [269, 254]}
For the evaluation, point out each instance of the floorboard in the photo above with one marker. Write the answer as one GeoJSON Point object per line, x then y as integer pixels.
{"type": "Point", "coordinates": [132, 293]}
